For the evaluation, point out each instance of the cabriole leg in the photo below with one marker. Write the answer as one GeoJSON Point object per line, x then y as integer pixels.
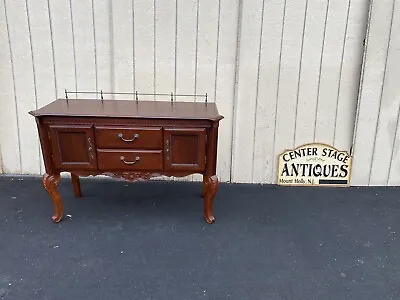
{"type": "Point", "coordinates": [50, 183]}
{"type": "Point", "coordinates": [203, 191]}
{"type": "Point", "coordinates": [76, 184]}
{"type": "Point", "coordinates": [210, 187]}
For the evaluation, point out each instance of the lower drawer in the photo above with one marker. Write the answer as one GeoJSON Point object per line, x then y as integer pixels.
{"type": "Point", "coordinates": [109, 159]}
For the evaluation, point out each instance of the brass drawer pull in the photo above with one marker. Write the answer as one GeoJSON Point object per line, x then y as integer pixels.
{"type": "Point", "coordinates": [90, 148]}
{"type": "Point", "coordinates": [167, 149]}
{"type": "Point", "coordinates": [122, 158]}
{"type": "Point", "coordinates": [121, 136]}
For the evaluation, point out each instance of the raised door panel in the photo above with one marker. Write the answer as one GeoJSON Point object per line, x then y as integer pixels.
{"type": "Point", "coordinates": [73, 147]}
{"type": "Point", "coordinates": [185, 149]}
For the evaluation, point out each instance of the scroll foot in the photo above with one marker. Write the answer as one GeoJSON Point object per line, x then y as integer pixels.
{"type": "Point", "coordinates": [50, 183]}
{"type": "Point", "coordinates": [210, 184]}
{"type": "Point", "coordinates": [76, 184]}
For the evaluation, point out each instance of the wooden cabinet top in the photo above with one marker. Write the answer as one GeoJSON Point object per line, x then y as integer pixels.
{"type": "Point", "coordinates": [130, 109]}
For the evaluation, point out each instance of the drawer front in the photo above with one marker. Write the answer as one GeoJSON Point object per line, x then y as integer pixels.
{"type": "Point", "coordinates": [108, 159]}
{"type": "Point", "coordinates": [128, 137]}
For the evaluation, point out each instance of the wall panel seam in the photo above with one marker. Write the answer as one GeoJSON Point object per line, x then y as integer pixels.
{"type": "Point", "coordinates": [393, 145]}
{"type": "Point", "coordinates": [362, 75]}
{"type": "Point", "coordinates": [299, 75]}
{"type": "Point", "coordinates": [34, 73]}
{"type": "Point", "coordinates": [111, 37]}
{"type": "Point", "coordinates": [278, 87]}
{"type": "Point", "coordinates": [196, 50]}
{"type": "Point", "coordinates": [95, 49]}
{"type": "Point", "coordinates": [52, 48]}
{"type": "Point", "coordinates": [133, 48]}
{"type": "Point", "coordinates": [257, 89]}
{"type": "Point", "coordinates": [320, 69]}
{"type": "Point", "coordinates": [176, 43]}
{"type": "Point", "coordinates": [381, 92]}
{"type": "Point", "coordinates": [235, 86]}
{"type": "Point", "coordinates": [154, 47]}
{"type": "Point", "coordinates": [341, 70]}
{"type": "Point", "coordinates": [73, 45]}
{"type": "Point", "coordinates": [14, 88]}
{"type": "Point", "coordinates": [217, 51]}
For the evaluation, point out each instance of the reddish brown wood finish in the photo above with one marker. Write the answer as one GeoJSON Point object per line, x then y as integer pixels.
{"type": "Point", "coordinates": [144, 160]}
{"type": "Point", "coordinates": [73, 147]}
{"type": "Point", "coordinates": [130, 109]}
{"type": "Point", "coordinates": [76, 185]}
{"type": "Point", "coordinates": [130, 140]}
{"type": "Point", "coordinates": [211, 187]}
{"type": "Point", "coordinates": [184, 149]}
{"type": "Point", "coordinates": [128, 137]}
{"type": "Point", "coordinates": [50, 183]}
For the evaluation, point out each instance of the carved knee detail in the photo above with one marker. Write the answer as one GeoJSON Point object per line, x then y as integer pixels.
{"type": "Point", "coordinates": [50, 183]}
{"type": "Point", "coordinates": [210, 186]}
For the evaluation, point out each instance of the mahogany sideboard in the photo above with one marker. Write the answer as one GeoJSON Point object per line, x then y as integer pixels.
{"type": "Point", "coordinates": [128, 139]}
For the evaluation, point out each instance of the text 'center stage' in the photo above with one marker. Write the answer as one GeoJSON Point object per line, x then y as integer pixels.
{"type": "Point", "coordinates": [314, 164]}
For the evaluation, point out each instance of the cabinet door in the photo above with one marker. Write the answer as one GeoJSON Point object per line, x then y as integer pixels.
{"type": "Point", "coordinates": [73, 147]}
{"type": "Point", "coordinates": [184, 149]}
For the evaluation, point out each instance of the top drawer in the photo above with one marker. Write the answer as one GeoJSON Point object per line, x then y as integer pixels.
{"type": "Point", "coordinates": [128, 137]}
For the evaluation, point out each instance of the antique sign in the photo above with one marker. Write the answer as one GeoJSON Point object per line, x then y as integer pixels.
{"type": "Point", "coordinates": [314, 164]}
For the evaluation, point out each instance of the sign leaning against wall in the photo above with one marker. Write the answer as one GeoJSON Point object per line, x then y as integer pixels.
{"type": "Point", "coordinates": [314, 164]}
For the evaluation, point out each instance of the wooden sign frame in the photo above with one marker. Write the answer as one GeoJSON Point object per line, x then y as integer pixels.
{"type": "Point", "coordinates": [314, 164]}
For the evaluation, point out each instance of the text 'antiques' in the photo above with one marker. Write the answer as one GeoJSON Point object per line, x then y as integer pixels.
{"type": "Point", "coordinates": [314, 164]}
